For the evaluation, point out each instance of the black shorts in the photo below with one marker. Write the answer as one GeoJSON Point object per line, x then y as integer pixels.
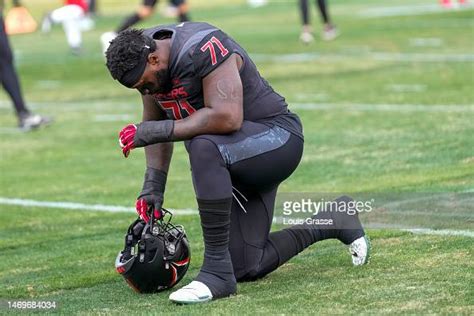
{"type": "Point", "coordinates": [177, 3]}
{"type": "Point", "coordinates": [152, 3]}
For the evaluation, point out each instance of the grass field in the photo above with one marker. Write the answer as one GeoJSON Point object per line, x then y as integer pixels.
{"type": "Point", "coordinates": [388, 108]}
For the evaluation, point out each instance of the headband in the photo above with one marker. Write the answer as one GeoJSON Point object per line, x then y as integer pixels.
{"type": "Point", "coordinates": [131, 77]}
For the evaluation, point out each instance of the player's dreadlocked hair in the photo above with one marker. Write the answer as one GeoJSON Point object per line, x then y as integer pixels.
{"type": "Point", "coordinates": [126, 51]}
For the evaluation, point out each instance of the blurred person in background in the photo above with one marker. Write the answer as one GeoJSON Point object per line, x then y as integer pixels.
{"type": "Point", "coordinates": [449, 4]}
{"type": "Point", "coordinates": [18, 20]}
{"type": "Point", "coordinates": [9, 80]}
{"type": "Point", "coordinates": [144, 11]}
{"type": "Point", "coordinates": [257, 3]}
{"type": "Point", "coordinates": [93, 7]}
{"type": "Point", "coordinates": [73, 17]}
{"type": "Point", "coordinates": [329, 30]}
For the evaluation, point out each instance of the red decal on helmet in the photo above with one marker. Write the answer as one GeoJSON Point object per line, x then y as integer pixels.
{"type": "Point", "coordinates": [174, 276]}
{"type": "Point", "coordinates": [120, 269]}
{"type": "Point", "coordinates": [182, 262]}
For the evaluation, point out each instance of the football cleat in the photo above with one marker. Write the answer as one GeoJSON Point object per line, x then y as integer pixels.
{"type": "Point", "coordinates": [194, 292]}
{"type": "Point", "coordinates": [33, 121]}
{"type": "Point", "coordinates": [330, 33]}
{"type": "Point", "coordinates": [360, 251]}
{"type": "Point", "coordinates": [306, 37]}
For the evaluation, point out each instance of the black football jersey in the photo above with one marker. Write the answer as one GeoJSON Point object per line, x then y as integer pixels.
{"type": "Point", "coordinates": [199, 48]}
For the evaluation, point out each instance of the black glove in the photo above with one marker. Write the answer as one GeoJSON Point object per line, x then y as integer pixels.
{"type": "Point", "coordinates": [151, 197]}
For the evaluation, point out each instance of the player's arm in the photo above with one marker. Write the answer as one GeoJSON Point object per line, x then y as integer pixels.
{"type": "Point", "coordinates": [222, 114]}
{"type": "Point", "coordinates": [158, 157]}
{"type": "Point", "coordinates": [223, 100]}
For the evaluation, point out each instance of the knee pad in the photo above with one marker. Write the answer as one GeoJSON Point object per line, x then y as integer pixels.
{"type": "Point", "coordinates": [201, 148]}
{"type": "Point", "coordinates": [211, 179]}
{"type": "Point", "coordinates": [203, 153]}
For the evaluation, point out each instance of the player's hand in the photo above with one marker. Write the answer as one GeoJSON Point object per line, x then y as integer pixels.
{"type": "Point", "coordinates": [144, 134]}
{"type": "Point", "coordinates": [147, 204]}
{"type": "Point", "coordinates": [126, 139]}
{"type": "Point", "coordinates": [151, 197]}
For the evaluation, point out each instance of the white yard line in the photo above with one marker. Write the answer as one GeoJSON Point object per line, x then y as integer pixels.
{"type": "Point", "coordinates": [10, 130]}
{"type": "Point", "coordinates": [426, 42]}
{"type": "Point", "coordinates": [442, 232]}
{"type": "Point", "coordinates": [113, 117]}
{"type": "Point", "coordinates": [416, 9]}
{"type": "Point", "coordinates": [383, 107]}
{"type": "Point", "coordinates": [49, 84]}
{"type": "Point", "coordinates": [116, 208]}
{"type": "Point", "coordinates": [417, 231]}
{"type": "Point", "coordinates": [403, 88]}
{"type": "Point", "coordinates": [378, 56]}
{"type": "Point", "coordinates": [81, 206]}
{"type": "Point", "coordinates": [463, 108]}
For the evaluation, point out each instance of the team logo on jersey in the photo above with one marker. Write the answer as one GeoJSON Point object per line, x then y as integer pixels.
{"type": "Point", "coordinates": [177, 92]}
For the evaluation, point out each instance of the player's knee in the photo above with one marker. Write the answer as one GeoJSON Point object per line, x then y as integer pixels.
{"type": "Point", "coordinates": [203, 151]}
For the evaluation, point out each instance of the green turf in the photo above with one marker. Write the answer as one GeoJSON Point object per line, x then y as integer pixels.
{"type": "Point", "coordinates": [68, 256]}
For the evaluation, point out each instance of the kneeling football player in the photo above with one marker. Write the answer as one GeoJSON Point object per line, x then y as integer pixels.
{"type": "Point", "coordinates": [199, 86]}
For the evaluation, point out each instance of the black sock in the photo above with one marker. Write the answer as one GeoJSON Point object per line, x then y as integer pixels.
{"type": "Point", "coordinates": [323, 11]}
{"type": "Point", "coordinates": [304, 10]}
{"type": "Point", "coordinates": [346, 225]}
{"type": "Point", "coordinates": [129, 21]}
{"type": "Point", "coordinates": [10, 82]}
{"type": "Point", "coordinates": [216, 271]}
{"type": "Point", "coordinates": [291, 241]}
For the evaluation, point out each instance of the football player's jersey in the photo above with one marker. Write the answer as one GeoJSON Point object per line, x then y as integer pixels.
{"type": "Point", "coordinates": [199, 48]}
{"type": "Point", "coordinates": [81, 3]}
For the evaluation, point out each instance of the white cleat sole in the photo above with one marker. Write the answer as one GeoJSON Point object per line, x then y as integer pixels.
{"type": "Point", "coordinates": [193, 293]}
{"type": "Point", "coordinates": [306, 37]}
{"type": "Point", "coordinates": [360, 251]}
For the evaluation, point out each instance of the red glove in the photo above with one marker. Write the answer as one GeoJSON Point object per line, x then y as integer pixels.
{"type": "Point", "coordinates": [143, 209]}
{"type": "Point", "coordinates": [126, 137]}
{"type": "Point", "coordinates": [144, 134]}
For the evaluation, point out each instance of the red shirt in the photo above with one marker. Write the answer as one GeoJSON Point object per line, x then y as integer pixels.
{"type": "Point", "coordinates": [82, 3]}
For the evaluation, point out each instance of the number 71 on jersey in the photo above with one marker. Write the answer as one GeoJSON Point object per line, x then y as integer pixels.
{"type": "Point", "coordinates": [209, 45]}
